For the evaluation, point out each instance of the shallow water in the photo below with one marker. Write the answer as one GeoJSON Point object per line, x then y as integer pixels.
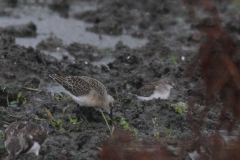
{"type": "Point", "coordinates": [48, 22]}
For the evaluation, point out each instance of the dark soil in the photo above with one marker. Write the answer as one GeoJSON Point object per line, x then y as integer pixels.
{"type": "Point", "coordinates": [172, 41]}
{"type": "Point", "coordinates": [24, 30]}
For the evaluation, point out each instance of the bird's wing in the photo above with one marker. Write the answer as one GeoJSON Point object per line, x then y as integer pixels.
{"type": "Point", "coordinates": [146, 90]}
{"type": "Point", "coordinates": [96, 85]}
{"type": "Point", "coordinates": [36, 132]}
{"type": "Point", "coordinates": [28, 130]}
{"type": "Point", "coordinates": [161, 88]}
{"type": "Point", "coordinates": [75, 85]}
{"type": "Point", "coordinates": [12, 130]}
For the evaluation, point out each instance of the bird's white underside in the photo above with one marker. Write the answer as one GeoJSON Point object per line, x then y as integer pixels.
{"type": "Point", "coordinates": [6, 147]}
{"type": "Point", "coordinates": [85, 101]}
{"type": "Point", "coordinates": [90, 101]}
{"type": "Point", "coordinates": [34, 149]}
{"type": "Point", "coordinates": [194, 155]}
{"type": "Point", "coordinates": [156, 94]}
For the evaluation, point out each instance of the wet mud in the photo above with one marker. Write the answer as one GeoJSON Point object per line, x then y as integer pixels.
{"type": "Point", "coordinates": [171, 42]}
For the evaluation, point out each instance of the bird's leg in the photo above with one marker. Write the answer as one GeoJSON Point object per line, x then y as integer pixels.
{"type": "Point", "coordinates": [82, 116]}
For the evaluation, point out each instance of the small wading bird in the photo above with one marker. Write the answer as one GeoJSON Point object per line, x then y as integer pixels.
{"type": "Point", "coordinates": [24, 137]}
{"type": "Point", "coordinates": [159, 89]}
{"type": "Point", "coordinates": [86, 92]}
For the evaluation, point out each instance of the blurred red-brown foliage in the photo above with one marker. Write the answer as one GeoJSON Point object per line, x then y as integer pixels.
{"type": "Point", "coordinates": [233, 150]}
{"type": "Point", "coordinates": [219, 62]}
{"type": "Point", "coordinates": [213, 147]}
{"type": "Point", "coordinates": [122, 146]}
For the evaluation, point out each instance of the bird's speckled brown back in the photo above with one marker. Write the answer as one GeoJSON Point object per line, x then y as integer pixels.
{"type": "Point", "coordinates": [148, 89]}
{"type": "Point", "coordinates": [25, 129]}
{"type": "Point", "coordinates": [81, 85]}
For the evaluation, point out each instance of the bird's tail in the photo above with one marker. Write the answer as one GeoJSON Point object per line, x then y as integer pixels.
{"type": "Point", "coordinates": [57, 78]}
{"type": "Point", "coordinates": [53, 76]}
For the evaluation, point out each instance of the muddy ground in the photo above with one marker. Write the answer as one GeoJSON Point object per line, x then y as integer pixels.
{"type": "Point", "coordinates": [165, 40]}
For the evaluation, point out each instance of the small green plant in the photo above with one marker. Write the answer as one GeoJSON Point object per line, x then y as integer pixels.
{"type": "Point", "coordinates": [174, 59]}
{"type": "Point", "coordinates": [117, 94]}
{"type": "Point", "coordinates": [67, 96]}
{"type": "Point", "coordinates": [7, 99]}
{"type": "Point", "coordinates": [55, 123]}
{"type": "Point", "coordinates": [20, 99]}
{"type": "Point", "coordinates": [170, 131]}
{"type": "Point", "coordinates": [110, 129]}
{"type": "Point", "coordinates": [128, 86]}
{"type": "Point", "coordinates": [73, 121]}
{"type": "Point", "coordinates": [135, 133]}
{"type": "Point", "coordinates": [236, 2]}
{"type": "Point", "coordinates": [179, 110]}
{"type": "Point", "coordinates": [4, 88]}
{"type": "Point", "coordinates": [1, 134]}
{"type": "Point", "coordinates": [154, 122]}
{"type": "Point", "coordinates": [39, 119]}
{"type": "Point", "coordinates": [157, 135]}
{"type": "Point", "coordinates": [180, 107]}
{"type": "Point", "coordinates": [59, 96]}
{"type": "Point", "coordinates": [201, 108]}
{"type": "Point", "coordinates": [123, 122]}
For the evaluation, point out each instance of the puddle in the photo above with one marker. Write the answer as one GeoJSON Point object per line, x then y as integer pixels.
{"type": "Point", "coordinates": [104, 61]}
{"type": "Point", "coordinates": [59, 55]}
{"type": "Point", "coordinates": [69, 30]}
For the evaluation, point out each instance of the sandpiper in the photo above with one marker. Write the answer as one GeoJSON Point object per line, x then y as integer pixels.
{"type": "Point", "coordinates": [159, 89]}
{"type": "Point", "coordinates": [24, 137]}
{"type": "Point", "coordinates": [86, 92]}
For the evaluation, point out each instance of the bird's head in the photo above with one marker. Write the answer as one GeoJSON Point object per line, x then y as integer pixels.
{"type": "Point", "coordinates": [169, 83]}
{"type": "Point", "coordinates": [109, 104]}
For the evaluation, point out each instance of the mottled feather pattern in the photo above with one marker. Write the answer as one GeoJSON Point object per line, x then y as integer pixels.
{"type": "Point", "coordinates": [96, 85]}
{"type": "Point", "coordinates": [30, 131]}
{"type": "Point", "coordinates": [80, 85]}
{"type": "Point", "coordinates": [148, 89]}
